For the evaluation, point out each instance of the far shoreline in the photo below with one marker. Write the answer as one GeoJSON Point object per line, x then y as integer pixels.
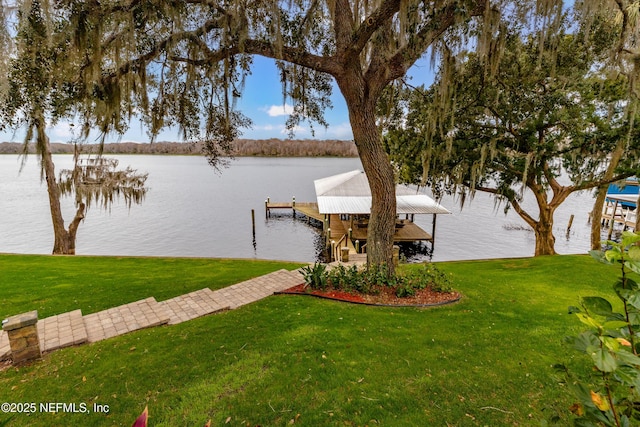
{"type": "Point", "coordinates": [241, 148]}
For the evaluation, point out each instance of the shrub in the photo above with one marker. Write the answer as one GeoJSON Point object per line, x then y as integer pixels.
{"type": "Point", "coordinates": [373, 279]}
{"type": "Point", "coordinates": [611, 395]}
{"type": "Point", "coordinates": [315, 276]}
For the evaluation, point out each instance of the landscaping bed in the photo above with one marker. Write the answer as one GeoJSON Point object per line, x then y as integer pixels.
{"type": "Point", "coordinates": [386, 296]}
{"type": "Point", "coordinates": [423, 286]}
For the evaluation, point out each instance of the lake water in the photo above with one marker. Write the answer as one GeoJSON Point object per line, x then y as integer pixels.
{"type": "Point", "coordinates": [193, 211]}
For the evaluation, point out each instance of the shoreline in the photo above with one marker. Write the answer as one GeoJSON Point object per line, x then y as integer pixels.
{"type": "Point", "coordinates": [241, 148]}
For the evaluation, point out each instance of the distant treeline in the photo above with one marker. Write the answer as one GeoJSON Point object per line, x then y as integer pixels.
{"type": "Point", "coordinates": [241, 148]}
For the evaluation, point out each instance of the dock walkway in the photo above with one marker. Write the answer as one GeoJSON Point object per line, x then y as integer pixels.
{"type": "Point", "coordinates": [308, 209]}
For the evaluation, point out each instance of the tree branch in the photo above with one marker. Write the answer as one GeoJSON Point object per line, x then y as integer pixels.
{"type": "Point", "coordinates": [371, 24]}
{"type": "Point", "coordinates": [516, 206]}
{"type": "Point", "coordinates": [256, 47]}
{"type": "Point", "coordinates": [405, 57]}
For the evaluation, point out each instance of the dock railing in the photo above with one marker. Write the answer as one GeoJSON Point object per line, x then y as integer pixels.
{"type": "Point", "coordinates": [336, 248]}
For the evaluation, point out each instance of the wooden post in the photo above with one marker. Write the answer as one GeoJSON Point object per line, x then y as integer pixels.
{"type": "Point", "coordinates": [350, 234]}
{"type": "Point", "coordinates": [570, 223]}
{"type": "Point", "coordinates": [266, 207]}
{"type": "Point", "coordinates": [613, 220]}
{"type": "Point", "coordinates": [293, 206]}
{"type": "Point", "coordinates": [328, 236]}
{"type": "Point", "coordinates": [344, 254]}
{"type": "Point", "coordinates": [433, 231]}
{"type": "Point", "coordinates": [253, 222]}
{"type": "Point", "coordinates": [358, 246]}
{"type": "Point", "coordinates": [333, 250]}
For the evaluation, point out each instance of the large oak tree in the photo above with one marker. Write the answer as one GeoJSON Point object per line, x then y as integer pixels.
{"type": "Point", "coordinates": [184, 63]}
{"type": "Point", "coordinates": [546, 111]}
{"type": "Point", "coordinates": [41, 87]}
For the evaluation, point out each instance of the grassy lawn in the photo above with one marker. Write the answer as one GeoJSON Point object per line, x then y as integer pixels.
{"type": "Point", "coordinates": [483, 361]}
{"type": "Point", "coordinates": [57, 284]}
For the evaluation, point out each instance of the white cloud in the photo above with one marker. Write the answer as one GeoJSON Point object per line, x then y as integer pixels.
{"type": "Point", "coordinates": [279, 110]}
{"type": "Point", "coordinates": [340, 131]}
{"type": "Point", "coordinates": [61, 131]}
{"type": "Point", "coordinates": [297, 130]}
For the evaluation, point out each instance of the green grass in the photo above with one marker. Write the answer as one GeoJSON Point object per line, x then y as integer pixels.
{"type": "Point", "coordinates": [57, 284]}
{"type": "Point", "coordinates": [483, 361]}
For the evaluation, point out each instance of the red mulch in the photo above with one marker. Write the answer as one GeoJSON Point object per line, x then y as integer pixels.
{"type": "Point", "coordinates": [423, 297]}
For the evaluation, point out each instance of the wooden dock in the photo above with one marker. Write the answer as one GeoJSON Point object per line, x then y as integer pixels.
{"type": "Point", "coordinates": [406, 231]}
{"type": "Point", "coordinates": [409, 232]}
{"type": "Point", "coordinates": [308, 209]}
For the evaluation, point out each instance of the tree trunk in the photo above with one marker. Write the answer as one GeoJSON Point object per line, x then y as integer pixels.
{"type": "Point", "coordinates": [543, 229]}
{"type": "Point", "coordinates": [73, 228]}
{"type": "Point", "coordinates": [596, 218]}
{"type": "Point", "coordinates": [543, 226]}
{"type": "Point", "coordinates": [64, 243]}
{"type": "Point", "coordinates": [381, 179]}
{"type": "Point", "coordinates": [596, 213]}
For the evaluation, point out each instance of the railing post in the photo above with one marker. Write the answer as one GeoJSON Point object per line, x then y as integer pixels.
{"type": "Point", "coordinates": [344, 254]}
{"type": "Point", "coordinates": [333, 249]}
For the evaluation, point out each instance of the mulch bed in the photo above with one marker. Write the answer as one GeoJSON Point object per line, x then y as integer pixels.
{"type": "Point", "coordinates": [386, 297]}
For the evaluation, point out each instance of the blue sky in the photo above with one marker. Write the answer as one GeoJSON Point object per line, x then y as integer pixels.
{"type": "Point", "coordinates": [262, 102]}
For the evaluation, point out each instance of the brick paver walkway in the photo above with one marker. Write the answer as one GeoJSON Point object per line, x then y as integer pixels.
{"type": "Point", "coordinates": [73, 328]}
{"type": "Point", "coordinates": [63, 330]}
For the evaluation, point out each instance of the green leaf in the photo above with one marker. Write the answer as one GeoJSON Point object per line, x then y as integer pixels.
{"type": "Point", "coordinates": [597, 305]}
{"type": "Point", "coordinates": [633, 298]}
{"type": "Point", "coordinates": [628, 375]}
{"type": "Point", "coordinates": [632, 284]}
{"type": "Point", "coordinates": [588, 320]}
{"type": "Point", "coordinates": [634, 253]}
{"type": "Point", "coordinates": [634, 318]}
{"type": "Point", "coordinates": [585, 341]}
{"type": "Point", "coordinates": [573, 309]}
{"type": "Point", "coordinates": [599, 256]}
{"type": "Point", "coordinates": [629, 238]}
{"type": "Point", "coordinates": [613, 255]}
{"type": "Point", "coordinates": [633, 265]}
{"type": "Point", "coordinates": [615, 324]}
{"type": "Point", "coordinates": [628, 358]}
{"type": "Point", "coordinates": [604, 360]}
{"type": "Point", "coordinates": [610, 343]}
{"type": "Point", "coordinates": [624, 421]}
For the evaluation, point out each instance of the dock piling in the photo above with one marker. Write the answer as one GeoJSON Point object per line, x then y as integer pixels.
{"type": "Point", "coordinates": [570, 223]}
{"type": "Point", "coordinates": [253, 222]}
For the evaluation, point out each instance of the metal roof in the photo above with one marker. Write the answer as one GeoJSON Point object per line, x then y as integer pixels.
{"type": "Point", "coordinates": [349, 193]}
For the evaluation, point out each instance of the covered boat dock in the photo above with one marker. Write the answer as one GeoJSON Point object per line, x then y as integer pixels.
{"type": "Point", "coordinates": [345, 201]}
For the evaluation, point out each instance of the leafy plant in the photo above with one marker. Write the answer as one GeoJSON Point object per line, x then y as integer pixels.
{"type": "Point", "coordinates": [315, 276]}
{"type": "Point", "coordinates": [428, 276]}
{"type": "Point", "coordinates": [373, 279]}
{"type": "Point", "coordinates": [611, 396]}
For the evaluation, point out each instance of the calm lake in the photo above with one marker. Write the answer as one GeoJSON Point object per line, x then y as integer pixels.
{"type": "Point", "coordinates": [193, 211]}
